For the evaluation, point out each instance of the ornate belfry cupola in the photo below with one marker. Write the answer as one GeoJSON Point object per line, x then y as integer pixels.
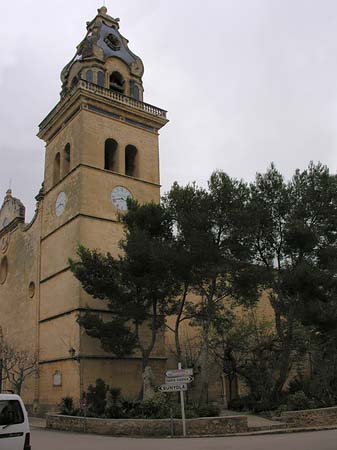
{"type": "Point", "coordinates": [102, 42]}
{"type": "Point", "coordinates": [103, 70]}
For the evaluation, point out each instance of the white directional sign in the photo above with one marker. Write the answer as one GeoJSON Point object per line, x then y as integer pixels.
{"type": "Point", "coordinates": [179, 373]}
{"type": "Point", "coordinates": [178, 380]}
{"type": "Point", "coordinates": [173, 387]}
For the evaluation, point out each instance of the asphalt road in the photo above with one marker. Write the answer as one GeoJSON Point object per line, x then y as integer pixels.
{"type": "Point", "coordinates": [53, 440]}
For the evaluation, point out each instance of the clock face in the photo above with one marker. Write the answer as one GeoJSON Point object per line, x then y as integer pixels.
{"type": "Point", "coordinates": [119, 196]}
{"type": "Point", "coordinates": [60, 204]}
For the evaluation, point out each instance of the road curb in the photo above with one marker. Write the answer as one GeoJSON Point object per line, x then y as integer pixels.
{"type": "Point", "coordinates": [264, 432]}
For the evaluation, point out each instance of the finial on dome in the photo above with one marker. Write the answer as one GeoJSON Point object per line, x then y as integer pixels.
{"type": "Point", "coordinates": [103, 10]}
{"type": "Point", "coordinates": [9, 190]}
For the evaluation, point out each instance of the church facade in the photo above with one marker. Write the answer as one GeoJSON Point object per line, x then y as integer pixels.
{"type": "Point", "coordinates": [101, 148]}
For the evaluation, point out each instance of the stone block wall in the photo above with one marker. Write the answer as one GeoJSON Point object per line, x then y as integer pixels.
{"type": "Point", "coordinates": [310, 417]}
{"type": "Point", "coordinates": [149, 427]}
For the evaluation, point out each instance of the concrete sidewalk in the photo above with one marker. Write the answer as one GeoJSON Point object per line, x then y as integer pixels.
{"type": "Point", "coordinates": [256, 423]}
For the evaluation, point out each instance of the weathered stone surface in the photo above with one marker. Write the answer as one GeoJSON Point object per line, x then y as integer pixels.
{"type": "Point", "coordinates": [217, 425]}
{"type": "Point", "coordinates": [310, 417]}
{"type": "Point", "coordinates": [149, 427]}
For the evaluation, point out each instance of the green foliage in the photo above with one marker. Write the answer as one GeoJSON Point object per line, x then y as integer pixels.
{"type": "Point", "coordinates": [210, 246]}
{"type": "Point", "coordinates": [161, 406]}
{"type": "Point", "coordinates": [115, 335]}
{"type": "Point", "coordinates": [138, 287]}
{"type": "Point", "coordinates": [67, 407]}
{"type": "Point", "coordinates": [253, 404]}
{"type": "Point", "coordinates": [227, 244]}
{"type": "Point", "coordinates": [103, 401]}
{"type": "Point", "coordinates": [113, 403]}
{"type": "Point", "coordinates": [319, 386]}
{"type": "Point", "coordinates": [156, 408]}
{"type": "Point", "coordinates": [246, 347]}
{"type": "Point", "coordinates": [205, 410]}
{"type": "Point", "coordinates": [293, 254]}
{"type": "Point", "coordinates": [96, 398]}
{"type": "Point", "coordinates": [299, 401]}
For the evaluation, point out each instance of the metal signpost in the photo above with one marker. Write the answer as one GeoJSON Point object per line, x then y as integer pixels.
{"type": "Point", "coordinates": [182, 401]}
{"type": "Point", "coordinates": [176, 381]}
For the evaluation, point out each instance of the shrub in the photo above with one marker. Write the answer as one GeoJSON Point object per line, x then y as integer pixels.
{"type": "Point", "coordinates": [251, 403]}
{"type": "Point", "coordinates": [202, 411]}
{"type": "Point", "coordinates": [282, 408]}
{"type": "Point", "coordinates": [239, 404]}
{"type": "Point", "coordinates": [156, 408]}
{"type": "Point", "coordinates": [96, 398]}
{"type": "Point", "coordinates": [208, 411]}
{"type": "Point", "coordinates": [103, 401]}
{"type": "Point", "coordinates": [67, 407]}
{"type": "Point", "coordinates": [299, 401]}
{"type": "Point", "coordinates": [113, 404]}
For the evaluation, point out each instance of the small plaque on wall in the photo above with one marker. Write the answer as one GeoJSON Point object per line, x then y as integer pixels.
{"type": "Point", "coordinates": [57, 378]}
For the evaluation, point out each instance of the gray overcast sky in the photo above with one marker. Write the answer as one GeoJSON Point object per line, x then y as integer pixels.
{"type": "Point", "coordinates": [246, 82]}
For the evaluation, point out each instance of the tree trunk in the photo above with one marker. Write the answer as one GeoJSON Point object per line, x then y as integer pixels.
{"type": "Point", "coordinates": [204, 360]}
{"type": "Point", "coordinates": [286, 341]}
{"type": "Point", "coordinates": [146, 351]}
{"type": "Point", "coordinates": [205, 365]}
{"type": "Point", "coordinates": [177, 325]}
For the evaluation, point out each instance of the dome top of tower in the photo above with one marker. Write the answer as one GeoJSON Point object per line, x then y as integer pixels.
{"type": "Point", "coordinates": [102, 41]}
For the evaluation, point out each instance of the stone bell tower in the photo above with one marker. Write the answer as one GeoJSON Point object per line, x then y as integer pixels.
{"type": "Point", "coordinates": [101, 148]}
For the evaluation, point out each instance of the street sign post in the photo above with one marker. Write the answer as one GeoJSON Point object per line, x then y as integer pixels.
{"type": "Point", "coordinates": [173, 387]}
{"type": "Point", "coordinates": [178, 380]}
{"type": "Point", "coordinates": [182, 401]}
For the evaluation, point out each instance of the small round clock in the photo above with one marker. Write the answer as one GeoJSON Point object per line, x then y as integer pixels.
{"type": "Point", "coordinates": [119, 196]}
{"type": "Point", "coordinates": [60, 204]}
